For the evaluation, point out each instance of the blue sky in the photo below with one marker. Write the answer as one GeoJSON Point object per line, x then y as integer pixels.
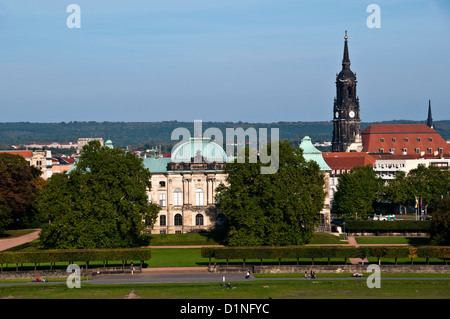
{"type": "Point", "coordinates": [228, 60]}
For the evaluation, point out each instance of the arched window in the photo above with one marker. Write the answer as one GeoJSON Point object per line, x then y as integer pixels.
{"type": "Point", "coordinates": [178, 220]}
{"type": "Point", "coordinates": [350, 91]}
{"type": "Point", "coordinates": [177, 197]}
{"type": "Point", "coordinates": [199, 197]}
{"type": "Point", "coordinates": [162, 220]}
{"type": "Point", "coordinates": [199, 220]}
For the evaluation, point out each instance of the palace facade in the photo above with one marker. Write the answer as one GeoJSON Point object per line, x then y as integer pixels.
{"type": "Point", "coordinates": [184, 186]}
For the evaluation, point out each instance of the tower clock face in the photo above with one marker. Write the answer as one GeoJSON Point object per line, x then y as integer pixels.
{"type": "Point", "coordinates": [336, 114]}
{"type": "Point", "coordinates": [352, 114]}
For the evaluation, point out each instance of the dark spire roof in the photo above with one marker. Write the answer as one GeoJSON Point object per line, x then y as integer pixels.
{"type": "Point", "coordinates": [430, 118]}
{"type": "Point", "coordinates": [346, 59]}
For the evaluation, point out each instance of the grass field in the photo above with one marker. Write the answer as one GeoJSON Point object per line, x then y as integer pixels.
{"type": "Point", "coordinates": [276, 289]}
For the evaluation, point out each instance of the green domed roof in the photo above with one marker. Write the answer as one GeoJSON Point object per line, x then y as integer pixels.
{"type": "Point", "coordinates": [210, 150]}
{"type": "Point", "coordinates": [310, 153]}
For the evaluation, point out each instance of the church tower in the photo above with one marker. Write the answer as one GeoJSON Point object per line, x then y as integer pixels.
{"type": "Point", "coordinates": [346, 121]}
{"type": "Point", "coordinates": [430, 118]}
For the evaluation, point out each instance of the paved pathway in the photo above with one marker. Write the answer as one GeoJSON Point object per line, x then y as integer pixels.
{"type": "Point", "coordinates": [356, 261]}
{"type": "Point", "coordinates": [8, 243]}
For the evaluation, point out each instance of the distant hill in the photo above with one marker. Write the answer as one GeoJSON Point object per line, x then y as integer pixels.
{"type": "Point", "coordinates": [147, 134]}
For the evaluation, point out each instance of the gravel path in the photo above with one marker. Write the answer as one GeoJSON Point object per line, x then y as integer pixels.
{"type": "Point", "coordinates": [8, 243]}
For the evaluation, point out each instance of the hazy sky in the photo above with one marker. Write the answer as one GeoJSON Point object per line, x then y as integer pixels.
{"type": "Point", "coordinates": [228, 60]}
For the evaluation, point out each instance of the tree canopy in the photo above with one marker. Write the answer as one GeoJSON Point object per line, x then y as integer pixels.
{"type": "Point", "coordinates": [440, 224]}
{"type": "Point", "coordinates": [272, 209]}
{"type": "Point", "coordinates": [19, 186]}
{"type": "Point", "coordinates": [102, 203]}
{"type": "Point", "coordinates": [357, 193]}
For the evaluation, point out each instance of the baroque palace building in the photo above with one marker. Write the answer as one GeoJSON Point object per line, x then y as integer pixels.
{"type": "Point", "coordinates": [184, 186]}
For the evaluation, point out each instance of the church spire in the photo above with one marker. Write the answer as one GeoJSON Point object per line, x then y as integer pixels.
{"type": "Point", "coordinates": [429, 119]}
{"type": "Point", "coordinates": [346, 59]}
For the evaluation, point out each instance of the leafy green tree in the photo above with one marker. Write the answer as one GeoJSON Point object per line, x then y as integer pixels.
{"type": "Point", "coordinates": [440, 224]}
{"type": "Point", "coordinates": [357, 193]}
{"type": "Point", "coordinates": [272, 209]}
{"type": "Point", "coordinates": [397, 191]}
{"type": "Point", "coordinates": [430, 184]}
{"type": "Point", "coordinates": [102, 203]}
{"type": "Point", "coordinates": [5, 215]}
{"type": "Point", "coordinates": [19, 186]}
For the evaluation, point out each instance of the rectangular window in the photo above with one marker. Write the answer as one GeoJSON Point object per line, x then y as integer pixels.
{"type": "Point", "coordinates": [177, 197]}
{"type": "Point", "coordinates": [199, 197]}
{"type": "Point", "coordinates": [162, 200]}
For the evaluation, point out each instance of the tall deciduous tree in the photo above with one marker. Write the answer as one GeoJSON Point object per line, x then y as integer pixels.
{"type": "Point", "coordinates": [430, 184]}
{"type": "Point", "coordinates": [398, 191]}
{"type": "Point", "coordinates": [19, 186]}
{"type": "Point", "coordinates": [440, 224]}
{"type": "Point", "coordinates": [102, 203]}
{"type": "Point", "coordinates": [357, 192]}
{"type": "Point", "coordinates": [272, 209]}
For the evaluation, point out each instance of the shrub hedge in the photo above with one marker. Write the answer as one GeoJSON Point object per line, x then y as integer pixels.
{"type": "Point", "coordinates": [325, 252]}
{"type": "Point", "coordinates": [384, 226]}
{"type": "Point", "coordinates": [84, 255]}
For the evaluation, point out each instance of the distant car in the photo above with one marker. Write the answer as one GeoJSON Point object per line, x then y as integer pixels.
{"type": "Point", "coordinates": [385, 217]}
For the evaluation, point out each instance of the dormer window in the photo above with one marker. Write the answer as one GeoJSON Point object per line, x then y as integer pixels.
{"type": "Point", "coordinates": [406, 139]}
{"type": "Point", "coordinates": [394, 139]}
{"type": "Point", "coordinates": [382, 140]}
{"type": "Point", "coordinates": [418, 139]}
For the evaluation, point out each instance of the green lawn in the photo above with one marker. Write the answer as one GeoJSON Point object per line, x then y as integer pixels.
{"type": "Point", "coordinates": [189, 239]}
{"type": "Point", "coordinates": [276, 289]}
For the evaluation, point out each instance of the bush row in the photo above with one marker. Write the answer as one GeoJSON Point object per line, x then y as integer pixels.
{"type": "Point", "coordinates": [354, 226]}
{"type": "Point", "coordinates": [83, 255]}
{"type": "Point", "coordinates": [325, 252]}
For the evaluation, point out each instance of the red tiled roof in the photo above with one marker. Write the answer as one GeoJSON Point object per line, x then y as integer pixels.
{"type": "Point", "coordinates": [397, 128]}
{"type": "Point", "coordinates": [382, 138]}
{"type": "Point", "coordinates": [347, 160]}
{"type": "Point", "coordinates": [21, 153]}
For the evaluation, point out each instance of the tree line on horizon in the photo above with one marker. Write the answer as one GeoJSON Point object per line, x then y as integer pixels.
{"type": "Point", "coordinates": [138, 135]}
